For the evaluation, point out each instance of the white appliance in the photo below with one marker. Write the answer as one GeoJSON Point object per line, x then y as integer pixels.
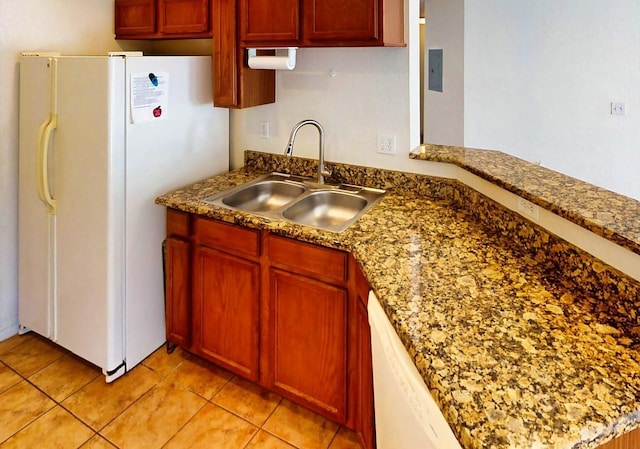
{"type": "Point", "coordinates": [407, 417]}
{"type": "Point", "coordinates": [97, 145]}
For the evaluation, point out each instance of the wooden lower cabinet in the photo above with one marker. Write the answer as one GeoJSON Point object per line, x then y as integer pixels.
{"type": "Point", "coordinates": [364, 384]}
{"type": "Point", "coordinates": [308, 347]}
{"type": "Point", "coordinates": [289, 315]}
{"type": "Point", "coordinates": [226, 310]}
{"type": "Point", "coordinates": [178, 292]}
{"type": "Point", "coordinates": [177, 266]}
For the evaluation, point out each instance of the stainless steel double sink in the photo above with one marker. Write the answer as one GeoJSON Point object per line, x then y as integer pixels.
{"type": "Point", "coordinates": [300, 200]}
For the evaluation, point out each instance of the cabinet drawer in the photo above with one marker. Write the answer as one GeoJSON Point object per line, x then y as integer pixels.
{"type": "Point", "coordinates": [178, 223]}
{"type": "Point", "coordinates": [326, 263]}
{"type": "Point", "coordinates": [227, 237]}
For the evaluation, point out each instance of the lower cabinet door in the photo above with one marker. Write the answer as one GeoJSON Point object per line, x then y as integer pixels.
{"type": "Point", "coordinates": [226, 310]}
{"type": "Point", "coordinates": [308, 351]}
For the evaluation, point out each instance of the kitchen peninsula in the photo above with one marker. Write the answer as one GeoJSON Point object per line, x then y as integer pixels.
{"type": "Point", "coordinates": [524, 340]}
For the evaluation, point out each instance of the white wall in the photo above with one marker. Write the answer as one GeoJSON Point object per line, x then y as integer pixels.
{"type": "Point", "coordinates": [369, 93]}
{"type": "Point", "coordinates": [539, 80]}
{"type": "Point", "coordinates": [444, 111]}
{"type": "Point", "coordinates": [373, 91]}
{"type": "Point", "coordinates": [70, 26]}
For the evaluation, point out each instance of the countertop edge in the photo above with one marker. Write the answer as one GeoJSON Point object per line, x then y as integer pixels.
{"type": "Point", "coordinates": [610, 215]}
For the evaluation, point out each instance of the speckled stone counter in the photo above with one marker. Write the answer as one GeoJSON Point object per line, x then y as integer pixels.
{"type": "Point", "coordinates": [608, 214]}
{"type": "Point", "coordinates": [523, 345]}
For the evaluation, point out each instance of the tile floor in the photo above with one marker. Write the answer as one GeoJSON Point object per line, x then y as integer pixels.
{"type": "Point", "coordinates": [51, 399]}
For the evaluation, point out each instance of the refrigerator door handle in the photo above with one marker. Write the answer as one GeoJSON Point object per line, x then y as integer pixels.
{"type": "Point", "coordinates": [46, 129]}
{"type": "Point", "coordinates": [43, 127]}
{"type": "Point", "coordinates": [43, 178]}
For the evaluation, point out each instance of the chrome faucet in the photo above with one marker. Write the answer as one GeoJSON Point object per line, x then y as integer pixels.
{"type": "Point", "coordinates": [322, 172]}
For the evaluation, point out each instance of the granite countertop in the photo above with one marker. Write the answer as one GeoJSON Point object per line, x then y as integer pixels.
{"type": "Point", "coordinates": [515, 355]}
{"type": "Point", "coordinates": [603, 212]}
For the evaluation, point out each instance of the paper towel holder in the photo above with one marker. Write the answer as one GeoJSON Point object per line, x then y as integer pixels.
{"type": "Point", "coordinates": [283, 63]}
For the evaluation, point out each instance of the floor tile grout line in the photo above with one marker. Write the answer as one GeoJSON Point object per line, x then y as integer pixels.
{"type": "Point", "coordinates": [272, 413]}
{"type": "Point", "coordinates": [21, 377]}
{"type": "Point", "coordinates": [17, 346]}
{"type": "Point", "coordinates": [34, 419]}
{"type": "Point", "coordinates": [248, 443]}
{"type": "Point", "coordinates": [42, 339]}
{"type": "Point", "coordinates": [51, 398]}
{"type": "Point", "coordinates": [125, 409]}
{"type": "Point", "coordinates": [281, 439]}
{"type": "Point", "coordinates": [97, 432]}
{"type": "Point", "coordinates": [183, 426]}
{"type": "Point", "coordinates": [335, 435]}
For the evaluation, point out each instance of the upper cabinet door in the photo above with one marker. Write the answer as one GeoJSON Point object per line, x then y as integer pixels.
{"type": "Point", "coordinates": [269, 21]}
{"type": "Point", "coordinates": [162, 19]}
{"type": "Point", "coordinates": [135, 17]}
{"type": "Point", "coordinates": [183, 16]}
{"type": "Point", "coordinates": [342, 20]}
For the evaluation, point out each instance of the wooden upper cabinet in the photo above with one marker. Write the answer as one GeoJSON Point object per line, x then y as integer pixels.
{"type": "Point", "coordinates": [261, 21]}
{"type": "Point", "coordinates": [339, 20]}
{"type": "Point", "coordinates": [162, 19]}
{"type": "Point", "coordinates": [135, 17]}
{"type": "Point", "coordinates": [235, 85]}
{"type": "Point", "coordinates": [322, 23]}
{"type": "Point", "coordinates": [183, 16]}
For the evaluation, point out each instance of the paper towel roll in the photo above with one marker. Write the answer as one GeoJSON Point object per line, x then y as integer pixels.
{"type": "Point", "coordinates": [271, 62]}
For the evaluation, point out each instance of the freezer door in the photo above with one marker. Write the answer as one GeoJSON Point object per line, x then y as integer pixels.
{"type": "Point", "coordinates": [89, 190]}
{"type": "Point", "coordinates": [36, 236]}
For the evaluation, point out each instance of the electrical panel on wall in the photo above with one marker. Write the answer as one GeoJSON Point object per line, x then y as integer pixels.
{"type": "Point", "coordinates": [435, 70]}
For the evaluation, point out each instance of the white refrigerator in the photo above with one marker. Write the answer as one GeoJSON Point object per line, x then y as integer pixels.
{"type": "Point", "coordinates": [100, 138]}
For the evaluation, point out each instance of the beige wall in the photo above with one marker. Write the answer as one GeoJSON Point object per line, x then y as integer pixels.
{"type": "Point", "coordinates": [374, 90]}
{"type": "Point", "coordinates": [371, 92]}
{"type": "Point", "coordinates": [539, 85]}
{"type": "Point", "coordinates": [69, 26]}
{"type": "Point", "coordinates": [444, 111]}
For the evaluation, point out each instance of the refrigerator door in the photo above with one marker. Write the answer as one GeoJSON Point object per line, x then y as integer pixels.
{"type": "Point", "coordinates": [36, 227]}
{"type": "Point", "coordinates": [89, 190]}
{"type": "Point", "coordinates": [188, 142]}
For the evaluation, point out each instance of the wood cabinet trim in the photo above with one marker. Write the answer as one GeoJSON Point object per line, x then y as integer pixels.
{"type": "Point", "coordinates": [312, 260]}
{"type": "Point", "coordinates": [227, 237]}
{"type": "Point", "coordinates": [178, 292]}
{"type": "Point", "coordinates": [178, 223]}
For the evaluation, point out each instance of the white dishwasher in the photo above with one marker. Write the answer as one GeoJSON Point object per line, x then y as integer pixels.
{"type": "Point", "coordinates": [407, 417]}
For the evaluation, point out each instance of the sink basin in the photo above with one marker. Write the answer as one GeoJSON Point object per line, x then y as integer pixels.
{"type": "Point", "coordinates": [300, 200]}
{"type": "Point", "coordinates": [265, 195]}
{"type": "Point", "coordinates": [328, 209]}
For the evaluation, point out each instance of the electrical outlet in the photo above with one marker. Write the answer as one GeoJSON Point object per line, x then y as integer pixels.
{"type": "Point", "coordinates": [528, 209]}
{"type": "Point", "coordinates": [386, 144]}
{"type": "Point", "coordinates": [617, 109]}
{"type": "Point", "coordinates": [264, 130]}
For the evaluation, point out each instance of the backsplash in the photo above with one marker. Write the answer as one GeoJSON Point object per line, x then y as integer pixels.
{"type": "Point", "coordinates": [607, 291]}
